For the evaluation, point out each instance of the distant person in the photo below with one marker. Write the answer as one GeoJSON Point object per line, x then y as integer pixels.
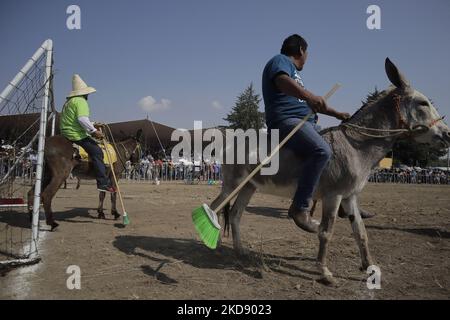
{"type": "Point", "coordinates": [144, 167]}
{"type": "Point", "coordinates": [128, 169]}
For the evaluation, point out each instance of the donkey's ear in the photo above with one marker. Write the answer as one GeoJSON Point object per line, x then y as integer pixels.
{"type": "Point", "coordinates": [138, 134]}
{"type": "Point", "coordinates": [394, 75]}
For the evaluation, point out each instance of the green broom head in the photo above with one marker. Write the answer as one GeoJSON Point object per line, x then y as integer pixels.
{"type": "Point", "coordinates": [207, 225]}
{"type": "Point", "coordinates": [126, 220]}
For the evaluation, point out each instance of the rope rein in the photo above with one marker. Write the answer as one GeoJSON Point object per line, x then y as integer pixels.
{"type": "Point", "coordinates": [116, 149]}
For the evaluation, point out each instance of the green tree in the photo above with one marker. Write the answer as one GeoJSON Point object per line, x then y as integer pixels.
{"type": "Point", "coordinates": [412, 154]}
{"type": "Point", "coordinates": [245, 114]}
{"type": "Point", "coordinates": [407, 151]}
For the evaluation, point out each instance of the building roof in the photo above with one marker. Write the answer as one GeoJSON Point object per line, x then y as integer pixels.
{"type": "Point", "coordinates": [13, 126]}
{"type": "Point", "coordinates": [151, 131]}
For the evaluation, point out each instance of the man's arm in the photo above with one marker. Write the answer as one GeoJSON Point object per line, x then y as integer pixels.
{"type": "Point", "coordinates": [89, 127]}
{"type": "Point", "coordinates": [334, 113]}
{"type": "Point", "coordinates": [86, 124]}
{"type": "Point", "coordinates": [290, 87]}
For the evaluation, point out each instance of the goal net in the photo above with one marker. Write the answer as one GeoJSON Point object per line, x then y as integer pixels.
{"type": "Point", "coordinates": [26, 114]}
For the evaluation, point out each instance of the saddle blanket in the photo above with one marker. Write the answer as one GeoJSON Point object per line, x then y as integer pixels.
{"type": "Point", "coordinates": [112, 154]}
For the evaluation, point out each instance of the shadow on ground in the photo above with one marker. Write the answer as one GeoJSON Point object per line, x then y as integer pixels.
{"type": "Point", "coordinates": [430, 232]}
{"type": "Point", "coordinates": [17, 219]}
{"type": "Point", "coordinates": [268, 212]}
{"type": "Point", "coordinates": [194, 253]}
{"type": "Point", "coordinates": [73, 215]}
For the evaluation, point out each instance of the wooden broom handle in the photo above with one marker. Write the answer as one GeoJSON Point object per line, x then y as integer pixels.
{"type": "Point", "coordinates": [274, 151]}
{"type": "Point", "coordinates": [108, 155]}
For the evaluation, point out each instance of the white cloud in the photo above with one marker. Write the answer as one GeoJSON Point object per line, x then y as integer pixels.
{"type": "Point", "coordinates": [150, 104]}
{"type": "Point", "coordinates": [216, 105]}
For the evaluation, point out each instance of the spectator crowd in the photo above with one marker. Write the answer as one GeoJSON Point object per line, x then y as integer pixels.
{"type": "Point", "coordinates": [166, 170]}
{"type": "Point", "coordinates": [411, 175]}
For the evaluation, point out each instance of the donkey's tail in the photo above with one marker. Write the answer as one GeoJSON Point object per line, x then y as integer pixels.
{"type": "Point", "coordinates": [226, 216]}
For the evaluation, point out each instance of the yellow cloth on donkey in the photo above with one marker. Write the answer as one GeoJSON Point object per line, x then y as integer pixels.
{"type": "Point", "coordinates": [112, 154]}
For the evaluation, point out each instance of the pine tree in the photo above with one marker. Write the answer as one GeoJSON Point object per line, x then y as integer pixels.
{"type": "Point", "coordinates": [245, 114]}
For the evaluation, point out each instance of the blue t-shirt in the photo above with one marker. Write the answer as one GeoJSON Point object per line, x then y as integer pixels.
{"type": "Point", "coordinates": [279, 106]}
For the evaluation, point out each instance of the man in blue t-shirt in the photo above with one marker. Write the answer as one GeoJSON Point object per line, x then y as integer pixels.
{"type": "Point", "coordinates": [287, 102]}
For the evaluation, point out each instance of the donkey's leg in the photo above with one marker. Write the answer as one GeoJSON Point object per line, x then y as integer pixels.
{"type": "Point", "coordinates": [101, 199]}
{"type": "Point", "coordinates": [218, 200]}
{"type": "Point", "coordinates": [330, 208]}
{"type": "Point", "coordinates": [30, 196]}
{"type": "Point", "coordinates": [359, 231]}
{"type": "Point", "coordinates": [47, 196]}
{"type": "Point", "coordinates": [342, 213]}
{"type": "Point", "coordinates": [114, 211]}
{"type": "Point", "coordinates": [236, 211]}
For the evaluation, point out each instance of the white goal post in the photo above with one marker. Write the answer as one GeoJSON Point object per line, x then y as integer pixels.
{"type": "Point", "coordinates": [44, 55]}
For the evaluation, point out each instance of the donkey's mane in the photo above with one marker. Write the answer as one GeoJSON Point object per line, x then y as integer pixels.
{"type": "Point", "coordinates": [358, 113]}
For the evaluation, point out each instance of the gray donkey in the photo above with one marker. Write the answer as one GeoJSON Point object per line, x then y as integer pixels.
{"type": "Point", "coordinates": [358, 145]}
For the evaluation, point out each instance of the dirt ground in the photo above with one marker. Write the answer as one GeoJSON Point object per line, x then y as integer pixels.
{"type": "Point", "coordinates": [159, 256]}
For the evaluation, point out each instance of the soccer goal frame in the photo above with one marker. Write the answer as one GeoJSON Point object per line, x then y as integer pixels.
{"type": "Point", "coordinates": [45, 49]}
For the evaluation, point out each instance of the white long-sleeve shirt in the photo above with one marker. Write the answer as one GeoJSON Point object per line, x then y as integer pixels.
{"type": "Point", "coordinates": [87, 124]}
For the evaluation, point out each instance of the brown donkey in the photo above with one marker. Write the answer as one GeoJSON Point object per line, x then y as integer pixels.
{"type": "Point", "coordinates": [59, 162]}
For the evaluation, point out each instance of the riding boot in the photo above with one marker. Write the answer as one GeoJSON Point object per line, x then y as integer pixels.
{"type": "Point", "coordinates": [303, 220]}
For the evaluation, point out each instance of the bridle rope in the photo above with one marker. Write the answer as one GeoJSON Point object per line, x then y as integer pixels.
{"type": "Point", "coordinates": [404, 128]}
{"type": "Point", "coordinates": [114, 144]}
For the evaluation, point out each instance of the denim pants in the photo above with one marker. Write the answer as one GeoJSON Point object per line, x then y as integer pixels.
{"type": "Point", "coordinates": [96, 156]}
{"type": "Point", "coordinates": [314, 152]}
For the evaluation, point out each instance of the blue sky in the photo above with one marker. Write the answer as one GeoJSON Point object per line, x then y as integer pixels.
{"type": "Point", "coordinates": [199, 55]}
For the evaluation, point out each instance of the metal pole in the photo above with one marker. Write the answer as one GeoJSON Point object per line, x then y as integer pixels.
{"type": "Point", "coordinates": [53, 123]}
{"type": "Point", "coordinates": [53, 107]}
{"type": "Point", "coordinates": [41, 146]}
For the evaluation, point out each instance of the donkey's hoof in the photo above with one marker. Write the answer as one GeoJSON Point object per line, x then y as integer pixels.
{"type": "Point", "coordinates": [328, 281]}
{"type": "Point", "coordinates": [115, 214]}
{"type": "Point", "coordinates": [54, 225]}
{"type": "Point", "coordinates": [242, 253]}
{"type": "Point", "coordinates": [101, 215]}
{"type": "Point", "coordinates": [366, 214]}
{"type": "Point", "coordinates": [327, 277]}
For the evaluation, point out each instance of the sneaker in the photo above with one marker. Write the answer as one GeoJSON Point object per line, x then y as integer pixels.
{"type": "Point", "coordinates": [105, 188]}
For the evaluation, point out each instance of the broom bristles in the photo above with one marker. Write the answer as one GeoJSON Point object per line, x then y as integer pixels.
{"type": "Point", "coordinates": [126, 220]}
{"type": "Point", "coordinates": [208, 233]}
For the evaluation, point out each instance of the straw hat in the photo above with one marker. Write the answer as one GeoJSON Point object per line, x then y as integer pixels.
{"type": "Point", "coordinates": [79, 87]}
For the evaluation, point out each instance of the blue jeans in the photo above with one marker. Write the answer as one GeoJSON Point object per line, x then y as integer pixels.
{"type": "Point", "coordinates": [314, 152]}
{"type": "Point", "coordinates": [96, 156]}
